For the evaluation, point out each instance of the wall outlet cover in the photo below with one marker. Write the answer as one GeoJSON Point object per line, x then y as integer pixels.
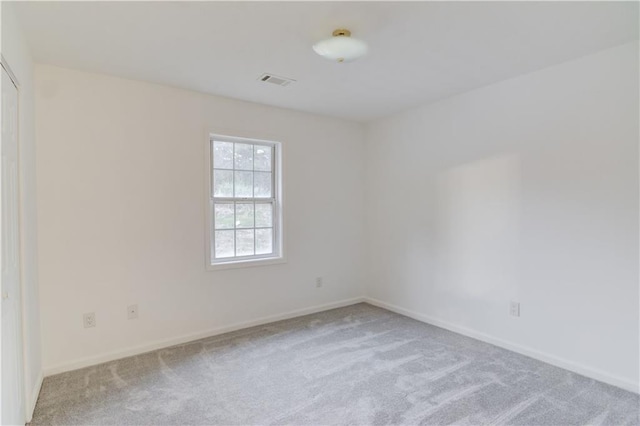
{"type": "Point", "coordinates": [132, 311]}
{"type": "Point", "coordinates": [89, 319]}
{"type": "Point", "coordinates": [514, 309]}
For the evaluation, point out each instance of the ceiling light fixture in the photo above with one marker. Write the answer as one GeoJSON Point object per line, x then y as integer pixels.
{"type": "Point", "coordinates": [341, 47]}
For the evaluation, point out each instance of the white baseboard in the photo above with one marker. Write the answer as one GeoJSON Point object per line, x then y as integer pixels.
{"type": "Point", "coordinates": [164, 343]}
{"type": "Point", "coordinates": [159, 344]}
{"type": "Point", "coordinates": [33, 397]}
{"type": "Point", "coordinates": [532, 353]}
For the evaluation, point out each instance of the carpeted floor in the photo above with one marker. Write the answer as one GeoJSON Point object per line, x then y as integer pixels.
{"type": "Point", "coordinates": [358, 365]}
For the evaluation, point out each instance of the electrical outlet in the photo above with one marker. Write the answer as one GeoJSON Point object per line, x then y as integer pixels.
{"type": "Point", "coordinates": [132, 311]}
{"type": "Point", "coordinates": [319, 282]}
{"type": "Point", "coordinates": [89, 320]}
{"type": "Point", "coordinates": [514, 309]}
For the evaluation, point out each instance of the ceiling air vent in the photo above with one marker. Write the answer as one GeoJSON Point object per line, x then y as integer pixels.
{"type": "Point", "coordinates": [275, 79]}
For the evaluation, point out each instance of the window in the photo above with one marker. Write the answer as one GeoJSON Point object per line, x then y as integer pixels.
{"type": "Point", "coordinates": [245, 201]}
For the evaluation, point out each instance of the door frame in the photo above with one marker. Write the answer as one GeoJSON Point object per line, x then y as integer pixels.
{"type": "Point", "coordinates": [26, 393]}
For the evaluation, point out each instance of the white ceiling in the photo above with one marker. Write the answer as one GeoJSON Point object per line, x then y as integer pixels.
{"type": "Point", "coordinates": [419, 51]}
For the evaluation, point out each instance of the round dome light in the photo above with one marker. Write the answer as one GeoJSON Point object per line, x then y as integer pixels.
{"type": "Point", "coordinates": [341, 47]}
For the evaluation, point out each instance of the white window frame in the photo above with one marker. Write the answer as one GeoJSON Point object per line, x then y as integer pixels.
{"type": "Point", "coordinates": [278, 241]}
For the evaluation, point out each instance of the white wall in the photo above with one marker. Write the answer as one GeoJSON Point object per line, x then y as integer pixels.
{"type": "Point", "coordinates": [121, 214]}
{"type": "Point", "coordinates": [16, 53]}
{"type": "Point", "coordinates": [525, 190]}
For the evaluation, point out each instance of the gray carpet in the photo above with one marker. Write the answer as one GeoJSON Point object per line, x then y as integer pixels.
{"type": "Point", "coordinates": [357, 365]}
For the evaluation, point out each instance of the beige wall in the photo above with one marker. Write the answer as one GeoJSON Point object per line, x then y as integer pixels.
{"type": "Point", "coordinates": [121, 196]}
{"type": "Point", "coordinates": [526, 190]}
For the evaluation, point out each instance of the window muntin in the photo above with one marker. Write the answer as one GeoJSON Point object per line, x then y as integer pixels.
{"type": "Point", "coordinates": [244, 200]}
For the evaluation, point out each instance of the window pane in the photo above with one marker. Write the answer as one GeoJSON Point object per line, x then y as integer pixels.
{"type": "Point", "coordinates": [264, 241]}
{"type": "Point", "coordinates": [244, 184]}
{"type": "Point", "coordinates": [222, 155]}
{"type": "Point", "coordinates": [244, 157]}
{"type": "Point", "coordinates": [264, 215]}
{"type": "Point", "coordinates": [243, 200]}
{"type": "Point", "coordinates": [224, 216]}
{"type": "Point", "coordinates": [244, 215]}
{"type": "Point", "coordinates": [262, 185]}
{"type": "Point", "coordinates": [262, 158]}
{"type": "Point", "coordinates": [222, 183]}
{"type": "Point", "coordinates": [224, 244]}
{"type": "Point", "coordinates": [244, 242]}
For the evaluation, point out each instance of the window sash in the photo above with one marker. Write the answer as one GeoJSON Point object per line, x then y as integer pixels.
{"type": "Point", "coordinates": [275, 248]}
{"type": "Point", "coordinates": [271, 146]}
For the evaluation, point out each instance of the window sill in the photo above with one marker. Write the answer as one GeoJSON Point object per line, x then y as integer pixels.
{"type": "Point", "coordinates": [235, 264]}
